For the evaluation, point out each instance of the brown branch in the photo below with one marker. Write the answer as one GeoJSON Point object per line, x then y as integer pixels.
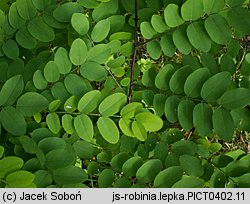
{"type": "Point", "coordinates": [135, 44]}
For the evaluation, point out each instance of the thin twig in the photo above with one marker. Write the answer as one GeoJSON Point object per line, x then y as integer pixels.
{"type": "Point", "coordinates": [135, 43]}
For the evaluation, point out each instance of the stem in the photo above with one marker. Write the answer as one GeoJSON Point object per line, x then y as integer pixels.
{"type": "Point", "coordinates": [134, 53]}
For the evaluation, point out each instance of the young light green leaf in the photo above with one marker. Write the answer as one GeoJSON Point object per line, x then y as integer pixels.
{"type": "Point", "coordinates": [53, 122]}
{"type": "Point", "coordinates": [84, 127]}
{"type": "Point", "coordinates": [112, 104]}
{"type": "Point", "coordinates": [78, 52]}
{"type": "Point", "coordinates": [223, 124]}
{"type": "Point", "coordinates": [11, 90]}
{"type": "Point", "coordinates": [131, 109]}
{"type": "Point", "coordinates": [31, 103]}
{"type": "Point", "coordinates": [89, 101]}
{"type": "Point", "coordinates": [10, 164]}
{"type": "Point", "coordinates": [108, 130]}
{"type": "Point", "coordinates": [139, 131]}
{"type": "Point", "coordinates": [125, 125]}
{"type": "Point", "coordinates": [80, 23]}
{"type": "Point", "coordinates": [13, 121]}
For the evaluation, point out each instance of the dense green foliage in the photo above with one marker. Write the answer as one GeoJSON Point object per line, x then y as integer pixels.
{"type": "Point", "coordinates": [66, 118]}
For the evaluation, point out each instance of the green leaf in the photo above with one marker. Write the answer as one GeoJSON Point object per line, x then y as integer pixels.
{"type": "Point", "coordinates": [31, 103]}
{"type": "Point", "coordinates": [59, 158]}
{"type": "Point", "coordinates": [51, 143]}
{"type": "Point", "coordinates": [233, 3]}
{"type": "Point", "coordinates": [241, 118]}
{"type": "Point", "coordinates": [178, 79]}
{"type": "Point", "coordinates": [54, 105]}
{"type": "Point", "coordinates": [235, 98]}
{"type": "Point", "coordinates": [237, 168]}
{"type": "Point", "coordinates": [39, 81]}
{"type": "Point", "coordinates": [237, 18]}
{"type": "Point", "coordinates": [84, 149]}
{"type": "Point", "coordinates": [168, 177]}
{"type": "Point", "coordinates": [67, 124]}
{"type": "Point", "coordinates": [64, 12]}
{"type": "Point", "coordinates": [202, 117]}
{"type": "Point", "coordinates": [26, 9]}
{"type": "Point", "coordinates": [172, 16]}
{"type": "Point", "coordinates": [11, 49]}
{"type": "Point", "coordinates": [159, 103]}
{"type": "Point", "coordinates": [62, 60]}
{"type": "Point", "coordinates": [70, 104]}
{"type": "Point", "coordinates": [76, 85]}
{"type": "Point", "coordinates": [53, 122]}
{"type": "Point", "coordinates": [20, 179]}
{"type": "Point", "coordinates": [139, 131]}
{"type": "Point", "coordinates": [29, 145]}
{"type": "Point", "coordinates": [148, 171]}
{"type": "Point", "coordinates": [213, 6]}
{"type": "Point", "coordinates": [223, 124]}
{"type": "Point", "coordinates": [215, 86]}
{"type": "Point", "coordinates": [1, 151]}
{"type": "Point", "coordinates": [130, 167]}
{"type": "Point", "coordinates": [40, 30]}
{"type": "Point", "coordinates": [191, 165]}
{"type": "Point", "coordinates": [51, 72]}
{"type": "Point", "coordinates": [108, 130]}
{"type": "Point", "coordinates": [93, 71]}
{"type": "Point", "coordinates": [15, 19]}
{"type": "Point", "coordinates": [192, 10]}
{"type": "Point", "coordinates": [100, 30]}
{"type": "Point", "coordinates": [118, 160]}
{"type": "Point", "coordinates": [112, 104]}
{"type": "Point", "coordinates": [117, 23]}
{"type": "Point", "coordinates": [198, 37]}
{"type": "Point", "coordinates": [99, 53]}
{"type": "Point", "coordinates": [167, 45]}
{"type": "Point", "coordinates": [147, 30]}
{"type": "Point", "coordinates": [195, 81]}
{"type": "Point", "coordinates": [209, 62]}
{"type": "Point", "coordinates": [185, 114]}
{"type": "Point", "coordinates": [78, 52]}
{"type": "Point", "coordinates": [105, 9]}
{"type": "Point", "coordinates": [25, 39]}
{"type": "Point", "coordinates": [106, 178]}
{"type": "Point", "coordinates": [184, 147]}
{"type": "Point", "coordinates": [69, 175]}
{"type": "Point", "coordinates": [228, 63]}
{"type": "Point", "coordinates": [159, 24]}
{"type": "Point", "coordinates": [163, 77]}
{"type": "Point", "coordinates": [218, 29]}
{"type": "Point", "coordinates": [84, 127]}
{"type": "Point", "coordinates": [117, 62]}
{"type": "Point", "coordinates": [171, 106]}
{"type": "Point", "coordinates": [154, 49]}
{"type": "Point", "coordinates": [181, 41]}
{"type": "Point", "coordinates": [80, 23]}
{"type": "Point", "coordinates": [189, 182]}
{"type": "Point", "coordinates": [89, 101]}
{"type": "Point", "coordinates": [125, 125]}
{"type": "Point", "coordinates": [10, 164]}
{"type": "Point", "coordinates": [42, 178]}
{"type": "Point", "coordinates": [13, 121]}
{"type": "Point", "coordinates": [150, 121]}
{"type": "Point", "coordinates": [11, 90]}
{"type": "Point", "coordinates": [218, 180]}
